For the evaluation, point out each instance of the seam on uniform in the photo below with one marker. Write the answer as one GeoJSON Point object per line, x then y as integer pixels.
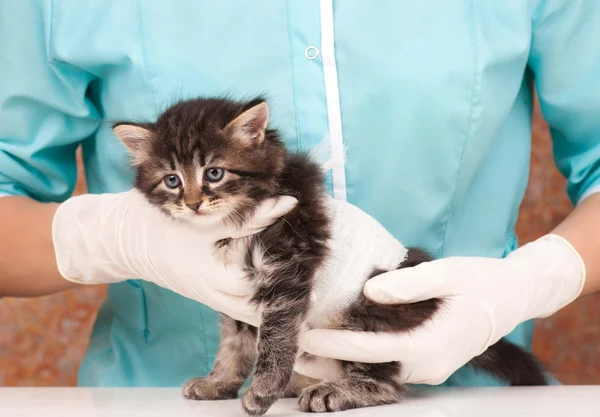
{"type": "Point", "coordinates": [145, 54]}
{"type": "Point", "coordinates": [145, 320]}
{"type": "Point", "coordinates": [51, 34]}
{"type": "Point", "coordinates": [293, 79]}
{"type": "Point", "coordinates": [146, 332]}
{"type": "Point", "coordinates": [468, 130]}
{"type": "Point", "coordinates": [205, 341]}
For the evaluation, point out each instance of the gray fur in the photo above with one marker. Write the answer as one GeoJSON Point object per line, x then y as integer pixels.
{"type": "Point", "coordinates": [196, 137]}
{"type": "Point", "coordinates": [233, 363]}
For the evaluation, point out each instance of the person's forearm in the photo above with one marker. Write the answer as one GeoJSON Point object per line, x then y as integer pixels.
{"type": "Point", "coordinates": [27, 261]}
{"type": "Point", "coordinates": [582, 229]}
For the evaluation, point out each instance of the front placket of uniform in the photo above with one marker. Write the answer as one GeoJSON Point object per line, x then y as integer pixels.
{"type": "Point", "coordinates": [315, 85]}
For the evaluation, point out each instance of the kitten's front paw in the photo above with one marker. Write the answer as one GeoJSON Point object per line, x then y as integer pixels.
{"type": "Point", "coordinates": [255, 404]}
{"type": "Point", "coordinates": [209, 389]}
{"type": "Point", "coordinates": [323, 398]}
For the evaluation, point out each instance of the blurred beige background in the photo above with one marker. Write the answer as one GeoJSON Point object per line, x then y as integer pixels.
{"type": "Point", "coordinates": [42, 340]}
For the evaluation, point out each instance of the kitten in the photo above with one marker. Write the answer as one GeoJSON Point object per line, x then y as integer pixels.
{"type": "Point", "coordinates": [214, 160]}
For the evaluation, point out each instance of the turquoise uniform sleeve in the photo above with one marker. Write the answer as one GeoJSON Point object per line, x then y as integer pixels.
{"type": "Point", "coordinates": [44, 111]}
{"type": "Point", "coordinates": [565, 59]}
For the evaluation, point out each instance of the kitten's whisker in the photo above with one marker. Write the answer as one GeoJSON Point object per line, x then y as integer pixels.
{"type": "Point", "coordinates": [229, 219]}
{"type": "Point", "coordinates": [238, 218]}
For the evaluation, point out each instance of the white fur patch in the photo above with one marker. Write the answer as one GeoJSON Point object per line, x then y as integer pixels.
{"type": "Point", "coordinates": [258, 258]}
{"type": "Point", "coordinates": [261, 263]}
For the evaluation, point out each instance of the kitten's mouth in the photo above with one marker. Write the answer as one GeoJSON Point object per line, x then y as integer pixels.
{"type": "Point", "coordinates": [203, 213]}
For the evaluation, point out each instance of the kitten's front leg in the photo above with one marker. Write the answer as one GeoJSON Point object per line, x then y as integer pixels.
{"type": "Point", "coordinates": [277, 346]}
{"type": "Point", "coordinates": [233, 363]}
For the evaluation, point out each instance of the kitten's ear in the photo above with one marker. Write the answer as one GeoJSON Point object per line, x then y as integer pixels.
{"type": "Point", "coordinates": [250, 126]}
{"type": "Point", "coordinates": [136, 138]}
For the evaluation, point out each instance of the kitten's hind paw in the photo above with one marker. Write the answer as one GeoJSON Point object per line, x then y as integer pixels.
{"type": "Point", "coordinates": [345, 394]}
{"type": "Point", "coordinates": [255, 404]}
{"type": "Point", "coordinates": [323, 398]}
{"type": "Point", "coordinates": [209, 389]}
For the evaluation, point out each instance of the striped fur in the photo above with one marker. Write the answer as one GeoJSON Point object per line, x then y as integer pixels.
{"type": "Point", "coordinates": [195, 136]}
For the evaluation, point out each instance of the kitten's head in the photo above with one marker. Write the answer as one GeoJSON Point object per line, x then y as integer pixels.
{"type": "Point", "coordinates": [206, 160]}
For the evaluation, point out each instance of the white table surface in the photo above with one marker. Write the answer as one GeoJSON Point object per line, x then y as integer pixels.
{"type": "Point", "coordinates": [571, 401]}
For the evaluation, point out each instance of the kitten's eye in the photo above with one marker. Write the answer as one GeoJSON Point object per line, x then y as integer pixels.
{"type": "Point", "coordinates": [214, 174]}
{"type": "Point", "coordinates": [172, 181]}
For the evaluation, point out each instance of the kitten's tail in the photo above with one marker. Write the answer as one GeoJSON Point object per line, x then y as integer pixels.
{"type": "Point", "coordinates": [503, 359]}
{"type": "Point", "coordinates": [510, 363]}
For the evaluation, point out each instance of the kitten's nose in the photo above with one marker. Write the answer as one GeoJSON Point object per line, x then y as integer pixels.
{"type": "Point", "coordinates": [194, 206]}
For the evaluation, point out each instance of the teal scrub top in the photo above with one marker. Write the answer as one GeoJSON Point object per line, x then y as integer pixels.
{"type": "Point", "coordinates": [426, 106]}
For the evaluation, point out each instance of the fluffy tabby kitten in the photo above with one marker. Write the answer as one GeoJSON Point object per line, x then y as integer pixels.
{"type": "Point", "coordinates": [208, 160]}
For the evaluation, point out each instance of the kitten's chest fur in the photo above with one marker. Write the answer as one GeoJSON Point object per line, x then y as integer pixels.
{"type": "Point", "coordinates": [254, 258]}
{"type": "Point", "coordinates": [356, 247]}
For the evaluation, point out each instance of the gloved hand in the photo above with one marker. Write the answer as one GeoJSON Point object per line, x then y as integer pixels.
{"type": "Point", "coordinates": [485, 299]}
{"type": "Point", "coordinates": [107, 238]}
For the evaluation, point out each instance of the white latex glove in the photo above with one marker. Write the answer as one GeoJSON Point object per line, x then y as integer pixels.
{"type": "Point", "coordinates": [485, 299]}
{"type": "Point", "coordinates": [107, 238]}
